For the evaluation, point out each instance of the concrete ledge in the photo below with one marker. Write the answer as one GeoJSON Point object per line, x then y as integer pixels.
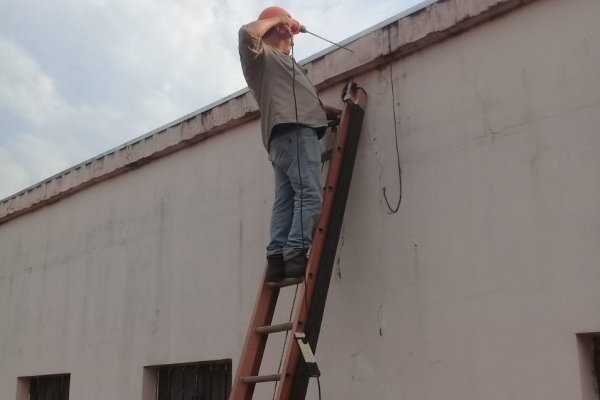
{"type": "Point", "coordinates": [422, 27]}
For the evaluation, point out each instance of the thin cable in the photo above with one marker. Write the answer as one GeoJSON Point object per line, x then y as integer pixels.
{"type": "Point", "coordinates": [298, 148]}
{"type": "Point", "coordinates": [395, 209]}
{"type": "Point", "coordinates": [319, 386]}
{"type": "Point", "coordinates": [285, 341]}
{"type": "Point", "coordinates": [301, 219]}
{"type": "Point", "coordinates": [303, 30]}
{"type": "Point", "coordinates": [301, 207]}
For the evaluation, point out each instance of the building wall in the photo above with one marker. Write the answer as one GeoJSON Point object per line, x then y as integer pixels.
{"type": "Point", "coordinates": [476, 288]}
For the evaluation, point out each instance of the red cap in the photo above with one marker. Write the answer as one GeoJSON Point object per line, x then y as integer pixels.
{"type": "Point", "coordinates": [275, 11]}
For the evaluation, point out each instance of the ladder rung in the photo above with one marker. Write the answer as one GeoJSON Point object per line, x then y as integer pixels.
{"type": "Point", "coordinates": [275, 328]}
{"type": "Point", "coordinates": [285, 282]}
{"type": "Point", "coordinates": [262, 378]}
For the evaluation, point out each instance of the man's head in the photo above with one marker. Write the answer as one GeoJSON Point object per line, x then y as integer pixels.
{"type": "Point", "coordinates": [280, 36]}
{"type": "Point", "coordinates": [274, 11]}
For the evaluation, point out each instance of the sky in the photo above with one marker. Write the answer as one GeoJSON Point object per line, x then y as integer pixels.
{"type": "Point", "coordinates": [80, 77]}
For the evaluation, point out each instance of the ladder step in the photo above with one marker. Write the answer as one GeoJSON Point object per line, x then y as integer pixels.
{"type": "Point", "coordinates": [285, 282]}
{"type": "Point", "coordinates": [275, 328]}
{"type": "Point", "coordinates": [262, 378]}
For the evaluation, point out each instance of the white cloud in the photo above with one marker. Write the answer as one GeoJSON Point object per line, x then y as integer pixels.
{"type": "Point", "coordinates": [13, 176]}
{"type": "Point", "coordinates": [24, 88]}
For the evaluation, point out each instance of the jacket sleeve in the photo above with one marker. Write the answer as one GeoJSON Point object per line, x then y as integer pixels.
{"type": "Point", "coordinates": [250, 47]}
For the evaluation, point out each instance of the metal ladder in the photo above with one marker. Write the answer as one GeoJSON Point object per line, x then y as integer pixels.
{"type": "Point", "coordinates": [304, 327]}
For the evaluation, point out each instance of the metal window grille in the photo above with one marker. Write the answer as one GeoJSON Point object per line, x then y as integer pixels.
{"type": "Point", "coordinates": [596, 363]}
{"type": "Point", "coordinates": [52, 387]}
{"type": "Point", "coordinates": [198, 381]}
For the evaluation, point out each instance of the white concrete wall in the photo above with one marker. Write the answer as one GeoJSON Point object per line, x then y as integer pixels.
{"type": "Point", "coordinates": [491, 267]}
{"type": "Point", "coordinates": [475, 289]}
{"type": "Point", "coordinates": [139, 270]}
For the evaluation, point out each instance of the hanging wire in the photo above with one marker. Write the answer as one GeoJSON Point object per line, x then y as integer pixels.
{"type": "Point", "coordinates": [301, 219]}
{"type": "Point", "coordinates": [298, 148]}
{"type": "Point", "coordinates": [318, 379]}
{"type": "Point", "coordinates": [285, 340]}
{"type": "Point", "coordinates": [293, 62]}
{"type": "Point", "coordinates": [394, 210]}
{"type": "Point", "coordinates": [319, 386]}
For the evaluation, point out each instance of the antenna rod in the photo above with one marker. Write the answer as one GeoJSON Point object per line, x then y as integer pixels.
{"type": "Point", "coordinates": [303, 30]}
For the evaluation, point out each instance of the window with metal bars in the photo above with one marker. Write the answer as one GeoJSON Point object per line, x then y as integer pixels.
{"type": "Point", "coordinates": [197, 381]}
{"type": "Point", "coordinates": [51, 387]}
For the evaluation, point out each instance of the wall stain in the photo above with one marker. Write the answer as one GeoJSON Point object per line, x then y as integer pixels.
{"type": "Point", "coordinates": [154, 323]}
{"type": "Point", "coordinates": [416, 264]}
{"type": "Point", "coordinates": [338, 268]}
{"type": "Point", "coordinates": [380, 319]}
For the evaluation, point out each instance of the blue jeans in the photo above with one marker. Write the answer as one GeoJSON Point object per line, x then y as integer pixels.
{"type": "Point", "coordinates": [295, 154]}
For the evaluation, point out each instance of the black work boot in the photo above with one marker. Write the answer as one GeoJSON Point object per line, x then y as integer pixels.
{"type": "Point", "coordinates": [274, 268]}
{"type": "Point", "coordinates": [295, 267]}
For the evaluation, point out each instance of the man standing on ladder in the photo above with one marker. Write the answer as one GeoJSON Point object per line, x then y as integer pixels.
{"type": "Point", "coordinates": [293, 119]}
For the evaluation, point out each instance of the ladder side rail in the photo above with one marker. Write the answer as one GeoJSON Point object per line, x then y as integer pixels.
{"type": "Point", "coordinates": [317, 305]}
{"type": "Point", "coordinates": [291, 357]}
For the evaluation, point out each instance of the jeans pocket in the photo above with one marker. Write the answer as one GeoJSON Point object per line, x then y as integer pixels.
{"type": "Point", "coordinates": [279, 152]}
{"type": "Point", "coordinates": [310, 145]}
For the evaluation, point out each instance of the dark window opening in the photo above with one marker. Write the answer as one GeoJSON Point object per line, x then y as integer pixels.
{"type": "Point", "coordinates": [51, 387]}
{"type": "Point", "coordinates": [589, 364]}
{"type": "Point", "coordinates": [196, 381]}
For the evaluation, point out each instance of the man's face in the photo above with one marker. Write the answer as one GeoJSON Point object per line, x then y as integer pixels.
{"type": "Point", "coordinates": [288, 43]}
{"type": "Point", "coordinates": [282, 40]}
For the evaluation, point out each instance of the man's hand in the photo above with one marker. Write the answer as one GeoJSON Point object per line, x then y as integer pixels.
{"type": "Point", "coordinates": [332, 113]}
{"type": "Point", "coordinates": [285, 25]}
{"type": "Point", "coordinates": [289, 24]}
